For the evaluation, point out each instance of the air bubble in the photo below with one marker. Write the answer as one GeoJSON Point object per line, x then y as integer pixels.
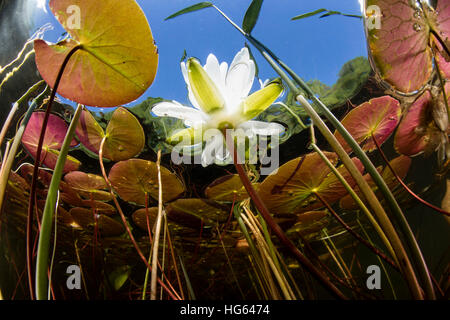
{"type": "Point", "coordinates": [417, 27]}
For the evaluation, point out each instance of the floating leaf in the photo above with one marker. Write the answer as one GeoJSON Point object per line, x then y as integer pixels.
{"type": "Point", "coordinates": [195, 7]}
{"type": "Point", "coordinates": [400, 44]}
{"type": "Point", "coordinates": [63, 215]}
{"type": "Point", "coordinates": [191, 212]}
{"type": "Point", "coordinates": [378, 117]}
{"type": "Point", "coordinates": [293, 188]}
{"type": "Point", "coordinates": [227, 188]}
{"type": "Point", "coordinates": [53, 140]}
{"type": "Point", "coordinates": [140, 217]}
{"type": "Point", "coordinates": [251, 16]}
{"type": "Point", "coordinates": [308, 224]}
{"type": "Point", "coordinates": [401, 167]}
{"type": "Point", "coordinates": [119, 276]}
{"type": "Point", "coordinates": [133, 179]}
{"type": "Point", "coordinates": [89, 186]}
{"type": "Point", "coordinates": [117, 59]}
{"type": "Point", "coordinates": [125, 137]}
{"type": "Point", "coordinates": [87, 219]}
{"type": "Point", "coordinates": [411, 136]}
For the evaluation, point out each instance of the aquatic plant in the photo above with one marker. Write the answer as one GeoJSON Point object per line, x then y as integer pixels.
{"type": "Point", "coordinates": [125, 214]}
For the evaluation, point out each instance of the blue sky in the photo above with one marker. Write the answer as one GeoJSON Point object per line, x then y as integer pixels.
{"type": "Point", "coordinates": [315, 48]}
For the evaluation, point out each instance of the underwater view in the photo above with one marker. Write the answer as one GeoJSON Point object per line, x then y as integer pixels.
{"type": "Point", "coordinates": [228, 150]}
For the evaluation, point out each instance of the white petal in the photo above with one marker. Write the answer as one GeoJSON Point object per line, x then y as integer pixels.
{"type": "Point", "coordinates": [209, 153]}
{"type": "Point", "coordinates": [191, 116]}
{"type": "Point", "coordinates": [212, 68]}
{"type": "Point", "coordinates": [262, 128]}
{"type": "Point", "coordinates": [186, 79]}
{"type": "Point", "coordinates": [240, 76]}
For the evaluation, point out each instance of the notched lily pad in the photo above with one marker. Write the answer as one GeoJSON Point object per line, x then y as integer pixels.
{"type": "Point", "coordinates": [378, 117]}
{"type": "Point", "coordinates": [134, 179]}
{"type": "Point", "coordinates": [125, 137]}
{"type": "Point", "coordinates": [54, 137]}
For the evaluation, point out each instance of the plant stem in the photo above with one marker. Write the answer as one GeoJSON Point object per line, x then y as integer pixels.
{"type": "Point", "coordinates": [157, 232]}
{"type": "Point", "coordinates": [47, 215]}
{"type": "Point", "coordinates": [386, 224]}
{"type": "Point", "coordinates": [39, 150]}
{"type": "Point", "coordinates": [261, 207]}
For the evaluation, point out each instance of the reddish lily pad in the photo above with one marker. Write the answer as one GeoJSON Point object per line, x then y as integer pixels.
{"type": "Point", "coordinates": [378, 117]}
{"type": "Point", "coordinates": [293, 188]}
{"type": "Point", "coordinates": [401, 167]}
{"type": "Point", "coordinates": [125, 137]}
{"type": "Point", "coordinates": [412, 137]}
{"type": "Point", "coordinates": [53, 140]}
{"type": "Point", "coordinates": [197, 212]}
{"type": "Point", "coordinates": [134, 179]}
{"type": "Point", "coordinates": [63, 215]}
{"type": "Point", "coordinates": [400, 46]}
{"type": "Point", "coordinates": [117, 59]}
{"type": "Point", "coordinates": [140, 217]}
{"type": "Point", "coordinates": [89, 186]}
{"type": "Point", "coordinates": [228, 188]}
{"type": "Point", "coordinates": [87, 219]}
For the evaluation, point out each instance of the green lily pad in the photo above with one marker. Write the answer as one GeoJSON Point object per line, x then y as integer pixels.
{"type": "Point", "coordinates": [292, 189]}
{"type": "Point", "coordinates": [228, 188]}
{"type": "Point", "coordinates": [125, 137]}
{"type": "Point", "coordinates": [135, 178]}
{"type": "Point", "coordinates": [89, 186]}
{"type": "Point", "coordinates": [195, 213]}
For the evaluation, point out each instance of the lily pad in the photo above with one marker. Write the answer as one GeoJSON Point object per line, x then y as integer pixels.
{"type": "Point", "coordinates": [412, 135]}
{"type": "Point", "coordinates": [117, 59]}
{"type": "Point", "coordinates": [309, 224]}
{"type": "Point", "coordinates": [89, 186]}
{"type": "Point", "coordinates": [378, 117]}
{"type": "Point", "coordinates": [401, 167]}
{"type": "Point", "coordinates": [107, 226]}
{"type": "Point", "coordinates": [228, 188]}
{"type": "Point", "coordinates": [293, 188]}
{"type": "Point", "coordinates": [195, 213]}
{"type": "Point", "coordinates": [135, 178]}
{"type": "Point", "coordinates": [125, 137]}
{"type": "Point", "coordinates": [400, 45]}
{"type": "Point", "coordinates": [53, 140]}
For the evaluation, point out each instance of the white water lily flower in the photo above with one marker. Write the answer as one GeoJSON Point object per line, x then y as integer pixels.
{"type": "Point", "coordinates": [220, 98]}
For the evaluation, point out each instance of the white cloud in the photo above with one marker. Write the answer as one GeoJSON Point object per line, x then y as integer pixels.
{"type": "Point", "coordinates": [41, 4]}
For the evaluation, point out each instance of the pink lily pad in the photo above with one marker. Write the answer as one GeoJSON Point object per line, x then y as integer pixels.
{"type": "Point", "coordinates": [378, 117]}
{"type": "Point", "coordinates": [53, 140]}
{"type": "Point", "coordinates": [400, 47]}
{"type": "Point", "coordinates": [411, 136]}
